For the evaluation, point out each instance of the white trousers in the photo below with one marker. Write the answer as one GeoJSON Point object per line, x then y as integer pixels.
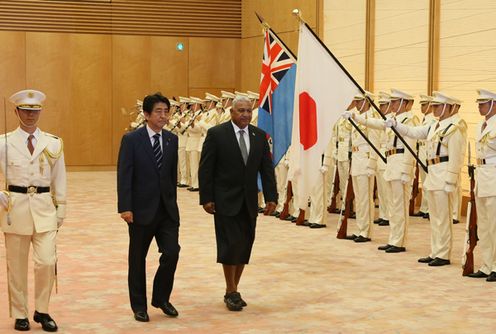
{"type": "Point", "coordinates": [486, 231]}
{"type": "Point", "coordinates": [383, 195]}
{"type": "Point", "coordinates": [399, 205]}
{"type": "Point", "coordinates": [440, 214]}
{"type": "Point", "coordinates": [344, 173]}
{"type": "Point", "coordinates": [281, 172]}
{"type": "Point", "coordinates": [424, 204]}
{"type": "Point", "coordinates": [194, 159]}
{"type": "Point", "coordinates": [183, 166]}
{"type": "Point", "coordinates": [363, 187]}
{"type": "Point", "coordinates": [44, 257]}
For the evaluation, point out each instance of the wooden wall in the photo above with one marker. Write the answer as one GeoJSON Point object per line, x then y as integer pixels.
{"type": "Point", "coordinates": [278, 16]}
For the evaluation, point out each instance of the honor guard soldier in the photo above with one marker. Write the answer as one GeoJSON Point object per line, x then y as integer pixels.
{"type": "Point", "coordinates": [363, 165]}
{"type": "Point", "coordinates": [445, 146]}
{"type": "Point", "coordinates": [33, 204]}
{"type": "Point", "coordinates": [382, 186]}
{"type": "Point", "coordinates": [171, 123]}
{"type": "Point", "coordinates": [183, 140]}
{"type": "Point", "coordinates": [457, 194]}
{"type": "Point", "coordinates": [254, 99]}
{"type": "Point", "coordinates": [485, 185]}
{"type": "Point", "coordinates": [428, 119]}
{"type": "Point", "coordinates": [193, 147]}
{"type": "Point", "coordinates": [399, 169]}
{"type": "Point", "coordinates": [227, 99]}
{"type": "Point", "coordinates": [209, 118]}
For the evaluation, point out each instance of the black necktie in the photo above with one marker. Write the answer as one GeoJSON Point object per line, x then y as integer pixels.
{"type": "Point", "coordinates": [484, 126]}
{"type": "Point", "coordinates": [157, 150]}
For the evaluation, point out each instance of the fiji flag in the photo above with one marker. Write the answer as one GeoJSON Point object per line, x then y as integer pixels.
{"type": "Point", "coordinates": [277, 87]}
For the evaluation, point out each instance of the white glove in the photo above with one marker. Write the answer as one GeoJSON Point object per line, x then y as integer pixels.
{"type": "Point", "coordinates": [449, 188]}
{"type": "Point", "coordinates": [405, 178]}
{"type": "Point", "coordinates": [60, 221]}
{"type": "Point", "coordinates": [324, 169]}
{"type": "Point", "coordinates": [390, 122]}
{"type": "Point", "coordinates": [4, 200]}
{"type": "Point", "coordinates": [286, 163]}
{"type": "Point", "coordinates": [60, 214]}
{"type": "Point", "coordinates": [347, 114]}
{"type": "Point", "coordinates": [370, 172]}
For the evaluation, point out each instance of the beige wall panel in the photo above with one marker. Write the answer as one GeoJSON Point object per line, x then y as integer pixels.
{"type": "Point", "coordinates": [277, 14]}
{"type": "Point", "coordinates": [169, 67]}
{"type": "Point", "coordinates": [213, 62]}
{"type": "Point", "coordinates": [12, 72]}
{"type": "Point", "coordinates": [344, 34]}
{"type": "Point", "coordinates": [88, 141]}
{"type": "Point", "coordinates": [401, 56]}
{"type": "Point", "coordinates": [130, 80]}
{"type": "Point", "coordinates": [48, 68]}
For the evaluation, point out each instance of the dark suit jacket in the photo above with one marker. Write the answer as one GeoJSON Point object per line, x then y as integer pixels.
{"type": "Point", "coordinates": [140, 184]}
{"type": "Point", "coordinates": [223, 177]}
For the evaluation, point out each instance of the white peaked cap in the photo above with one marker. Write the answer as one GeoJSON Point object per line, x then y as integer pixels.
{"type": "Point", "coordinates": [183, 99]}
{"type": "Point", "coordinates": [211, 97]}
{"type": "Point", "coordinates": [253, 95]}
{"type": "Point", "coordinates": [397, 94]}
{"type": "Point", "coordinates": [425, 99]}
{"type": "Point", "coordinates": [361, 96]}
{"type": "Point", "coordinates": [227, 95]}
{"type": "Point", "coordinates": [384, 97]}
{"type": "Point", "coordinates": [485, 96]}
{"type": "Point", "coordinates": [194, 99]}
{"type": "Point", "coordinates": [28, 99]}
{"type": "Point", "coordinates": [442, 98]}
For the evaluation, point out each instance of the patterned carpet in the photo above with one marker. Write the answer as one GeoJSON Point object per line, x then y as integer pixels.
{"type": "Point", "coordinates": [300, 280]}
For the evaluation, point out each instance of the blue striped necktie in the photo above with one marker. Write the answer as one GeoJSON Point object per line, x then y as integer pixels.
{"type": "Point", "coordinates": [157, 150]}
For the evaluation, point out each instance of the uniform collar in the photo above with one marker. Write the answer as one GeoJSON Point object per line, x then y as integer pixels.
{"type": "Point", "coordinates": [25, 135]}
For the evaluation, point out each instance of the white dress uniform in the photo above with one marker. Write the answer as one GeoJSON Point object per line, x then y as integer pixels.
{"type": "Point", "coordinates": [37, 190]}
{"type": "Point", "coordinates": [183, 163]}
{"type": "Point", "coordinates": [382, 185]}
{"type": "Point", "coordinates": [342, 153]}
{"type": "Point", "coordinates": [428, 120]}
{"type": "Point", "coordinates": [485, 187]}
{"type": "Point", "coordinates": [281, 171]}
{"type": "Point", "coordinates": [193, 145]}
{"type": "Point", "coordinates": [445, 147]}
{"type": "Point", "coordinates": [399, 168]}
{"type": "Point", "coordinates": [363, 165]}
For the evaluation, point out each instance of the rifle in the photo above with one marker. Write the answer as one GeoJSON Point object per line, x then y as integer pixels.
{"type": "Point", "coordinates": [471, 226]}
{"type": "Point", "coordinates": [195, 115]}
{"type": "Point", "coordinates": [415, 188]}
{"type": "Point", "coordinates": [335, 189]}
{"type": "Point", "coordinates": [347, 203]}
{"type": "Point", "coordinates": [289, 196]}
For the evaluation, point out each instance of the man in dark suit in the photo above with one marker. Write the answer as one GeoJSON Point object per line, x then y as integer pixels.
{"type": "Point", "coordinates": [146, 187]}
{"type": "Point", "coordinates": [233, 154]}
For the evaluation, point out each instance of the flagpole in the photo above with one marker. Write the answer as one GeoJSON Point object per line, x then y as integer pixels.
{"type": "Point", "coordinates": [297, 14]}
{"type": "Point", "coordinates": [368, 140]}
{"type": "Point", "coordinates": [267, 26]}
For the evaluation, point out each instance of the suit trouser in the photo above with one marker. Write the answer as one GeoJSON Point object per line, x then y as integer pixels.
{"type": "Point", "coordinates": [363, 186]}
{"type": "Point", "coordinates": [183, 165]}
{"type": "Point", "coordinates": [344, 173]}
{"type": "Point", "coordinates": [399, 203]}
{"type": "Point", "coordinates": [166, 232]}
{"type": "Point", "coordinates": [424, 205]}
{"type": "Point", "coordinates": [441, 224]}
{"type": "Point", "coordinates": [194, 159]}
{"type": "Point", "coordinates": [383, 194]}
{"type": "Point", "coordinates": [281, 172]}
{"type": "Point", "coordinates": [44, 257]}
{"type": "Point", "coordinates": [486, 231]}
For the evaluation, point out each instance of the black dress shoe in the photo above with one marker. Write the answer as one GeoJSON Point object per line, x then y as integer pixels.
{"type": "Point", "coordinates": [47, 323]}
{"type": "Point", "coordinates": [242, 302]}
{"type": "Point", "coordinates": [141, 316]}
{"type": "Point", "coordinates": [456, 221]}
{"type": "Point", "coordinates": [384, 247]}
{"type": "Point", "coordinates": [438, 262]}
{"type": "Point", "coordinates": [352, 215]}
{"type": "Point", "coordinates": [491, 277]}
{"type": "Point", "coordinates": [351, 237]}
{"type": "Point", "coordinates": [168, 309]}
{"type": "Point", "coordinates": [260, 209]}
{"type": "Point", "coordinates": [418, 214]}
{"type": "Point", "coordinates": [315, 225]}
{"type": "Point", "coordinates": [395, 249]}
{"type": "Point", "coordinates": [290, 218]}
{"type": "Point", "coordinates": [182, 185]}
{"type": "Point", "coordinates": [190, 188]}
{"type": "Point", "coordinates": [233, 301]}
{"type": "Point", "coordinates": [384, 223]}
{"type": "Point", "coordinates": [427, 259]}
{"type": "Point", "coordinates": [378, 221]}
{"type": "Point", "coordinates": [275, 213]}
{"type": "Point", "coordinates": [478, 274]}
{"type": "Point", "coordinates": [361, 239]}
{"type": "Point", "coordinates": [195, 189]}
{"type": "Point", "coordinates": [426, 215]}
{"type": "Point", "coordinates": [304, 223]}
{"type": "Point", "coordinates": [22, 325]}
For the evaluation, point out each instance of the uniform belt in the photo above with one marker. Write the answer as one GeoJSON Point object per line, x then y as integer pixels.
{"type": "Point", "coordinates": [394, 151]}
{"type": "Point", "coordinates": [421, 143]}
{"type": "Point", "coordinates": [29, 190]}
{"type": "Point", "coordinates": [487, 161]}
{"type": "Point", "coordinates": [437, 160]}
